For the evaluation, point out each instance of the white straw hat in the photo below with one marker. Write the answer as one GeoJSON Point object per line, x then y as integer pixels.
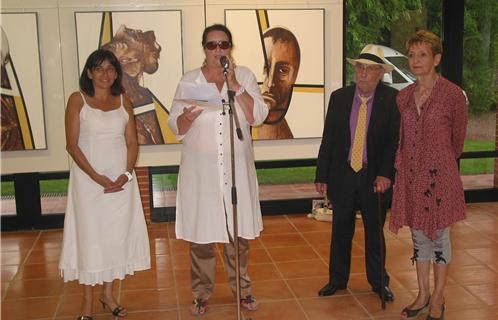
{"type": "Point", "coordinates": [372, 54]}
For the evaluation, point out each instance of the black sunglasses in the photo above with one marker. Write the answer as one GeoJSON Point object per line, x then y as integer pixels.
{"type": "Point", "coordinates": [211, 45]}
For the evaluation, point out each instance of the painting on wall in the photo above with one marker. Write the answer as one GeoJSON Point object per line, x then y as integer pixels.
{"type": "Point", "coordinates": [148, 44]}
{"type": "Point", "coordinates": [23, 121]}
{"type": "Point", "coordinates": [285, 50]}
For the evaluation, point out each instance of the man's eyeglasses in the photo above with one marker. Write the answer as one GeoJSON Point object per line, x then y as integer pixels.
{"type": "Point", "coordinates": [211, 45]}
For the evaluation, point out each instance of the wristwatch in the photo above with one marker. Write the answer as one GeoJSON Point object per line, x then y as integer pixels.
{"type": "Point", "coordinates": [240, 91]}
{"type": "Point", "coordinates": [128, 175]}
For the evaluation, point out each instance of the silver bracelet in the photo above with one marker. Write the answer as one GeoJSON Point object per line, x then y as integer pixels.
{"type": "Point", "coordinates": [240, 91]}
{"type": "Point", "coordinates": [128, 175]}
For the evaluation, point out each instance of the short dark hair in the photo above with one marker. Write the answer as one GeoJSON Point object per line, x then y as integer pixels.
{"type": "Point", "coordinates": [216, 27]}
{"type": "Point", "coordinates": [284, 35]}
{"type": "Point", "coordinates": [94, 60]}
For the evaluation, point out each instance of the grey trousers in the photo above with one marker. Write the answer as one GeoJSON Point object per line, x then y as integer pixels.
{"type": "Point", "coordinates": [425, 249]}
{"type": "Point", "coordinates": [203, 268]}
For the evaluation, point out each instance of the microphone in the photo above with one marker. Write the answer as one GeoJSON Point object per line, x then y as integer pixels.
{"type": "Point", "coordinates": [225, 63]}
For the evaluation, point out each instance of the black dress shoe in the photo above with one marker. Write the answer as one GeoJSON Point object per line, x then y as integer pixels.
{"type": "Point", "coordinates": [388, 294]}
{"type": "Point", "coordinates": [329, 289]}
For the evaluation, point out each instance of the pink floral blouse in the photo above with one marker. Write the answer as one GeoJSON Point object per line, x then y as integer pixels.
{"type": "Point", "coordinates": [428, 193]}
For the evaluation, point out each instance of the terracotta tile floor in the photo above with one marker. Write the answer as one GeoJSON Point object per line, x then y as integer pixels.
{"type": "Point", "coordinates": [288, 265]}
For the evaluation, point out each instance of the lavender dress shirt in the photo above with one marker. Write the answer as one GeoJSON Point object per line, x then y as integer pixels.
{"type": "Point", "coordinates": [353, 119]}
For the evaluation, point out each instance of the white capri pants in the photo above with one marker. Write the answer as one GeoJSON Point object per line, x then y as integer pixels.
{"type": "Point", "coordinates": [425, 249]}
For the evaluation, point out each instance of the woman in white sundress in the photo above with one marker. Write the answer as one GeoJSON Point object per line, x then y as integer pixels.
{"type": "Point", "coordinates": [105, 236]}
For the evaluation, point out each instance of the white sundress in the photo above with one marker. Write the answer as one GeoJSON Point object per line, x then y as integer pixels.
{"type": "Point", "coordinates": [105, 236]}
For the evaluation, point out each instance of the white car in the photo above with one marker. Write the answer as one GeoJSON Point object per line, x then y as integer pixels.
{"type": "Point", "coordinates": [401, 76]}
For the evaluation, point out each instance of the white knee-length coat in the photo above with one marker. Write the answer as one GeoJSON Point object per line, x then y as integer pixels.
{"type": "Point", "coordinates": [203, 203]}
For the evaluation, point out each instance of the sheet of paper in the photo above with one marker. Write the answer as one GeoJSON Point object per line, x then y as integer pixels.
{"type": "Point", "coordinates": [201, 103]}
{"type": "Point", "coordinates": [203, 95]}
{"type": "Point", "coordinates": [202, 91]}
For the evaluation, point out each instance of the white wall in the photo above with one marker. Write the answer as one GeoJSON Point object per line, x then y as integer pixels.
{"type": "Point", "coordinates": [59, 67]}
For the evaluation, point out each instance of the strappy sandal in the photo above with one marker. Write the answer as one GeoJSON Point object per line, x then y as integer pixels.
{"type": "Point", "coordinates": [249, 302]}
{"type": "Point", "coordinates": [117, 312]}
{"type": "Point", "coordinates": [198, 307]}
{"type": "Point", "coordinates": [441, 317]}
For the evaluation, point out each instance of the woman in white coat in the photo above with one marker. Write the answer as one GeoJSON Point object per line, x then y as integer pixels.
{"type": "Point", "coordinates": [203, 205]}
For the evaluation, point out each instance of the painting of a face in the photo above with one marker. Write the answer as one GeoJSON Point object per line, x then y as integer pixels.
{"type": "Point", "coordinates": [137, 51]}
{"type": "Point", "coordinates": [148, 46]}
{"type": "Point", "coordinates": [281, 70]}
{"type": "Point", "coordinates": [287, 49]}
{"type": "Point", "coordinates": [151, 52]}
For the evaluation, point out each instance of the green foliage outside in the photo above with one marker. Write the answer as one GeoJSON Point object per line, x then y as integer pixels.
{"type": "Point", "coordinates": [7, 188]}
{"type": "Point", "coordinates": [387, 22]}
{"type": "Point", "coordinates": [477, 166]}
{"type": "Point", "coordinates": [473, 145]}
{"type": "Point", "coordinates": [54, 186]}
{"type": "Point", "coordinates": [58, 186]}
{"type": "Point", "coordinates": [165, 181]}
{"type": "Point", "coordinates": [480, 54]}
{"type": "Point", "coordinates": [286, 175]}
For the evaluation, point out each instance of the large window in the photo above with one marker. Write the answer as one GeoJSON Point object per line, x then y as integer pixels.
{"type": "Point", "coordinates": [389, 23]}
{"type": "Point", "coordinates": [480, 62]}
{"type": "Point", "coordinates": [53, 195]}
{"type": "Point", "coordinates": [8, 205]}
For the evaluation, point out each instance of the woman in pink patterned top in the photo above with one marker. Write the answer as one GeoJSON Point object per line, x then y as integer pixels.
{"type": "Point", "coordinates": [428, 193]}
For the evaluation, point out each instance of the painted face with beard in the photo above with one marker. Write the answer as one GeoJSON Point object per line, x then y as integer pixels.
{"type": "Point", "coordinates": [281, 68]}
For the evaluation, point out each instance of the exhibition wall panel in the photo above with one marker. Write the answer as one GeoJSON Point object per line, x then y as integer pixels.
{"type": "Point", "coordinates": [59, 41]}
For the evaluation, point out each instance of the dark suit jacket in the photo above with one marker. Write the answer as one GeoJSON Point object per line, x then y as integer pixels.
{"type": "Point", "coordinates": [382, 138]}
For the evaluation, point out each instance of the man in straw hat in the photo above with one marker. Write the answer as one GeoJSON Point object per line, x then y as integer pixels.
{"type": "Point", "coordinates": [356, 160]}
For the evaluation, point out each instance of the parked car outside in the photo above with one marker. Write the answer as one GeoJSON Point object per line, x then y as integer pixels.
{"type": "Point", "coordinates": [401, 76]}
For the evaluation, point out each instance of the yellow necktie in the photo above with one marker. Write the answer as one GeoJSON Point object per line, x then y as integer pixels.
{"type": "Point", "coordinates": [359, 136]}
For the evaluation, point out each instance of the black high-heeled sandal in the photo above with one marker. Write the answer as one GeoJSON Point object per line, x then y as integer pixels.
{"type": "Point", "coordinates": [441, 317]}
{"type": "Point", "coordinates": [412, 313]}
{"type": "Point", "coordinates": [116, 311]}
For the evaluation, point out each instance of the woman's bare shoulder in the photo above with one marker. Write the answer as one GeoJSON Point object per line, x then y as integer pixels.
{"type": "Point", "coordinates": [75, 101]}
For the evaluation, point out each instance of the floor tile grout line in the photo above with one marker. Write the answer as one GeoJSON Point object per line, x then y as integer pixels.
{"type": "Point", "coordinates": [282, 275]}
{"type": "Point", "coordinates": [21, 265]}
{"type": "Point", "coordinates": [495, 239]}
{"type": "Point", "coordinates": [175, 285]}
{"type": "Point", "coordinates": [464, 287]}
{"type": "Point", "coordinates": [61, 295]}
{"type": "Point", "coordinates": [478, 262]}
{"type": "Point", "coordinates": [351, 292]}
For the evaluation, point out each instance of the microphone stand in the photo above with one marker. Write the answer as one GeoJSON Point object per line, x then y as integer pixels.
{"type": "Point", "coordinates": [233, 118]}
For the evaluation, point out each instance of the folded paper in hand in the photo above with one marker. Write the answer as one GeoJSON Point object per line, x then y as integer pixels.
{"type": "Point", "coordinates": [204, 95]}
